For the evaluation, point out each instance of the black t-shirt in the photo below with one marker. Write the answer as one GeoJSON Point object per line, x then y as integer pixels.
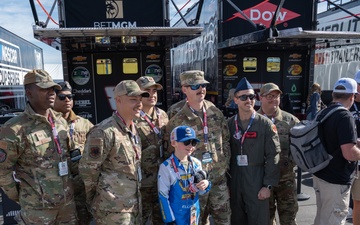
{"type": "Point", "coordinates": [337, 130]}
{"type": "Point", "coordinates": [355, 111]}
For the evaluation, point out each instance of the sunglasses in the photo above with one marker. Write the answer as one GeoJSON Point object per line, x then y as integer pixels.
{"type": "Point", "coordinates": [196, 86]}
{"type": "Point", "coordinates": [62, 97]}
{"type": "Point", "coordinates": [193, 142]}
{"type": "Point", "coordinates": [245, 97]}
{"type": "Point", "coordinates": [271, 97]}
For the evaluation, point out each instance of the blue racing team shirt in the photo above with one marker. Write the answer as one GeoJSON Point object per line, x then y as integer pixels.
{"type": "Point", "coordinates": [175, 198]}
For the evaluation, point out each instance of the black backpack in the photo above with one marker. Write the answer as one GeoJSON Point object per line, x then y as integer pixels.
{"type": "Point", "coordinates": [306, 147]}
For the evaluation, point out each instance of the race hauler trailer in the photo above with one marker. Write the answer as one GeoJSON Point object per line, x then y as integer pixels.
{"type": "Point", "coordinates": [105, 42]}
{"type": "Point", "coordinates": [337, 58]}
{"type": "Point", "coordinates": [17, 57]}
{"type": "Point", "coordinates": [262, 40]}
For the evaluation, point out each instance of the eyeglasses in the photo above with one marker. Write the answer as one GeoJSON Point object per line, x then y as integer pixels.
{"type": "Point", "coordinates": [193, 142]}
{"type": "Point", "coordinates": [62, 97]}
{"type": "Point", "coordinates": [271, 97]}
{"type": "Point", "coordinates": [196, 86]}
{"type": "Point", "coordinates": [245, 97]}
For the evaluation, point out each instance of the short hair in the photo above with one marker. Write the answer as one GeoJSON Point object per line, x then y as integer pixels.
{"type": "Point", "coordinates": [342, 96]}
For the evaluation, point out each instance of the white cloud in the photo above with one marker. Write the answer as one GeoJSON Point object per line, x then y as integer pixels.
{"type": "Point", "coordinates": [16, 16]}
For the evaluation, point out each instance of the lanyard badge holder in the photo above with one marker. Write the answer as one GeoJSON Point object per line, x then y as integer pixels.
{"type": "Point", "coordinates": [63, 166]}
{"type": "Point", "coordinates": [242, 160]}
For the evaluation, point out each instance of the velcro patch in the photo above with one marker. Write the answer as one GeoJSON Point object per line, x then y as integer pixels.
{"type": "Point", "coordinates": [94, 152]}
{"type": "Point", "coordinates": [3, 144]}
{"type": "Point", "coordinates": [2, 155]}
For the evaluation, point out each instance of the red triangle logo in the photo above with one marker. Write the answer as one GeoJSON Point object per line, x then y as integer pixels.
{"type": "Point", "coordinates": [264, 12]}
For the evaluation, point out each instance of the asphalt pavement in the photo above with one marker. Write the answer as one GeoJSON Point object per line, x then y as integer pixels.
{"type": "Point", "coordinates": [307, 208]}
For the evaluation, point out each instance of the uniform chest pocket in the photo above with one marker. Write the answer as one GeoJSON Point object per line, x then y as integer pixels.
{"type": "Point", "coordinates": [124, 152]}
{"type": "Point", "coordinates": [43, 151]}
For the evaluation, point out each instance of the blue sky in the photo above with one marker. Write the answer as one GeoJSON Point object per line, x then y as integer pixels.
{"type": "Point", "coordinates": [16, 16]}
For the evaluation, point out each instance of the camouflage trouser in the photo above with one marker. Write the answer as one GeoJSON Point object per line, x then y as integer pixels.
{"type": "Point", "coordinates": [150, 206]}
{"type": "Point", "coordinates": [63, 215]}
{"type": "Point", "coordinates": [217, 203]}
{"type": "Point", "coordinates": [116, 218]}
{"type": "Point", "coordinates": [283, 198]}
{"type": "Point", "coordinates": [84, 216]}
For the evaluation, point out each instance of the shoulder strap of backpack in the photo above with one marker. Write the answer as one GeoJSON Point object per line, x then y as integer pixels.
{"type": "Point", "coordinates": [328, 114]}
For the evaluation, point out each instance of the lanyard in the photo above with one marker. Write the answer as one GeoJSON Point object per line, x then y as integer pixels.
{"type": "Point", "coordinates": [272, 118]}
{"type": "Point", "coordinates": [204, 123]}
{"type": "Point", "coordinates": [134, 139]}
{"type": "Point", "coordinates": [55, 134]}
{"type": "Point", "coordinates": [248, 127]}
{"type": "Point", "coordinates": [153, 127]}
{"type": "Point", "coordinates": [178, 174]}
{"type": "Point", "coordinates": [72, 128]}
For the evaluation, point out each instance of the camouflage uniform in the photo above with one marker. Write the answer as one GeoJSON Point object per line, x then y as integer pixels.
{"type": "Point", "coordinates": [110, 168]}
{"type": "Point", "coordinates": [217, 201]}
{"type": "Point", "coordinates": [284, 194]}
{"type": "Point", "coordinates": [175, 108]}
{"type": "Point", "coordinates": [77, 142]}
{"type": "Point", "coordinates": [150, 162]}
{"type": "Point", "coordinates": [27, 145]}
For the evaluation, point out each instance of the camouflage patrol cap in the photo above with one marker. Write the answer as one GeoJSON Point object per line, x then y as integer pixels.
{"type": "Point", "coordinates": [146, 82]}
{"type": "Point", "coordinates": [129, 88]}
{"type": "Point", "coordinates": [41, 78]}
{"type": "Point", "coordinates": [269, 87]}
{"type": "Point", "coordinates": [193, 77]}
{"type": "Point", "coordinates": [65, 86]}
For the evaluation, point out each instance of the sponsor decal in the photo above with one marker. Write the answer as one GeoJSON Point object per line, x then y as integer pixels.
{"type": "Point", "coordinates": [295, 56]}
{"type": "Point", "coordinates": [153, 56]}
{"type": "Point", "coordinates": [82, 103]}
{"type": "Point", "coordinates": [115, 24]}
{"type": "Point", "coordinates": [9, 53]}
{"type": "Point", "coordinates": [264, 12]}
{"type": "Point", "coordinates": [80, 75]}
{"type": "Point", "coordinates": [79, 58]}
{"type": "Point", "coordinates": [338, 55]}
{"type": "Point", "coordinates": [10, 77]}
{"type": "Point", "coordinates": [230, 70]}
{"type": "Point", "coordinates": [114, 9]}
{"type": "Point", "coordinates": [295, 69]}
{"type": "Point", "coordinates": [85, 115]}
{"type": "Point", "coordinates": [110, 95]}
{"type": "Point", "coordinates": [154, 71]}
{"type": "Point", "coordinates": [229, 56]}
{"type": "Point", "coordinates": [82, 91]}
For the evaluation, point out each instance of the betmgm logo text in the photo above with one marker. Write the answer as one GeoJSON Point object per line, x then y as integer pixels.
{"type": "Point", "coordinates": [114, 9]}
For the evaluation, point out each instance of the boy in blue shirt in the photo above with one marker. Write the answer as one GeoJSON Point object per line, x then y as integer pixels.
{"type": "Point", "coordinates": [181, 179]}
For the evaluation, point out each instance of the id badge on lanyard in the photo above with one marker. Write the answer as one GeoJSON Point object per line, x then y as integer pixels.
{"type": "Point", "coordinates": [63, 169]}
{"type": "Point", "coordinates": [193, 215]}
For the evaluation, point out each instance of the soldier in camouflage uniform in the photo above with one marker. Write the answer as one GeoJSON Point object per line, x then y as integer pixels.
{"type": "Point", "coordinates": [151, 127]}
{"type": "Point", "coordinates": [283, 196]}
{"type": "Point", "coordinates": [110, 165]}
{"type": "Point", "coordinates": [78, 128]}
{"type": "Point", "coordinates": [213, 150]}
{"type": "Point", "coordinates": [35, 146]}
{"type": "Point", "coordinates": [175, 108]}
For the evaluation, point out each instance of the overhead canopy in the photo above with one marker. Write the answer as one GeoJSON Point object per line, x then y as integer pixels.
{"type": "Point", "coordinates": [286, 37]}
{"type": "Point", "coordinates": [115, 32]}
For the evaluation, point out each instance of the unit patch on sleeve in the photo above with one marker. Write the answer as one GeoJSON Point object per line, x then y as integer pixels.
{"type": "Point", "coordinates": [2, 155]}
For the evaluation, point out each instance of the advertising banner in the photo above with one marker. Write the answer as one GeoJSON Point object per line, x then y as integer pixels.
{"type": "Point", "coordinates": [114, 13]}
{"type": "Point", "coordinates": [293, 14]}
{"type": "Point", "coordinates": [81, 81]}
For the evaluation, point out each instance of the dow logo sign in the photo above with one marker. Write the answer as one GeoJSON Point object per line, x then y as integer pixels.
{"type": "Point", "coordinates": [263, 13]}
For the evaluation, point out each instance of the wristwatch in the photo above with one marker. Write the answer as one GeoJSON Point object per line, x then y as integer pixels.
{"type": "Point", "coordinates": [269, 187]}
